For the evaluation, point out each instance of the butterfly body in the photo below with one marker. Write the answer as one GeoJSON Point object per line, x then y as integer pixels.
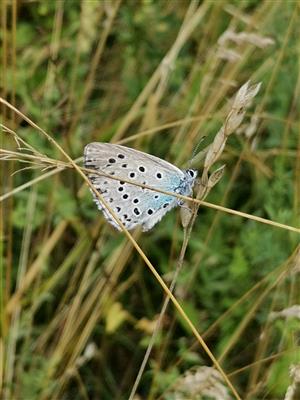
{"type": "Point", "coordinates": [134, 205]}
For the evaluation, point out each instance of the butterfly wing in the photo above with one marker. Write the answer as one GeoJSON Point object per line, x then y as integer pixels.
{"type": "Point", "coordinates": [132, 204]}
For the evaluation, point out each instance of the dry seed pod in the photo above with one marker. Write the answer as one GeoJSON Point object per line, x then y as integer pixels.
{"type": "Point", "coordinates": [198, 383]}
{"type": "Point", "coordinates": [186, 213]}
{"type": "Point", "coordinates": [242, 101]}
{"type": "Point", "coordinates": [215, 177]}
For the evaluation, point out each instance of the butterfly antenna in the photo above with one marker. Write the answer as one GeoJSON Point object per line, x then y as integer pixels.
{"type": "Point", "coordinates": [196, 150]}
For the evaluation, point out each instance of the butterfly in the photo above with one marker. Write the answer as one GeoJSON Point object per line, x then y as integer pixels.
{"type": "Point", "coordinates": [134, 205]}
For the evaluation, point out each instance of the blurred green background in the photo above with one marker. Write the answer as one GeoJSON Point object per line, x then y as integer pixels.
{"type": "Point", "coordinates": [78, 303]}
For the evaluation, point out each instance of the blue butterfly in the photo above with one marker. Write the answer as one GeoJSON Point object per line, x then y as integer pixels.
{"type": "Point", "coordinates": [135, 206]}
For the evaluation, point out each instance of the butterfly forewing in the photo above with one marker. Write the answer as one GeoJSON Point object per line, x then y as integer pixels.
{"type": "Point", "coordinates": [132, 204]}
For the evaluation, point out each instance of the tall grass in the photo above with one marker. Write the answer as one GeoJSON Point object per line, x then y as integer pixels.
{"type": "Point", "coordinates": [82, 317]}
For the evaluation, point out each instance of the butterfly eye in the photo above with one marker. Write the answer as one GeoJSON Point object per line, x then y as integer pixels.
{"type": "Point", "coordinates": [191, 173]}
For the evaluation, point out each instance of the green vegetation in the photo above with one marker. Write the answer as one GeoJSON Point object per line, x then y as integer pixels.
{"type": "Point", "coordinates": [78, 302]}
